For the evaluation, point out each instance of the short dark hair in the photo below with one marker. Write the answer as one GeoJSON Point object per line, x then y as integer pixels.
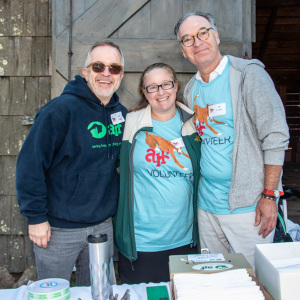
{"type": "Point", "coordinates": [144, 102]}
{"type": "Point", "coordinates": [103, 43]}
{"type": "Point", "coordinates": [209, 17]}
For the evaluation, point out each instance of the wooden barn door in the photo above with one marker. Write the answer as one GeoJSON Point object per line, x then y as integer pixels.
{"type": "Point", "coordinates": [144, 31]}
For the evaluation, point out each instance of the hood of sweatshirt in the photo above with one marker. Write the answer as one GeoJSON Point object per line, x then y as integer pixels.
{"type": "Point", "coordinates": [240, 64]}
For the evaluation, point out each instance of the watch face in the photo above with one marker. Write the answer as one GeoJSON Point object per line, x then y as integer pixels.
{"type": "Point", "coordinates": [276, 193]}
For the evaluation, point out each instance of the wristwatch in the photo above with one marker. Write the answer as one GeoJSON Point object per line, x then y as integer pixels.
{"type": "Point", "coordinates": [275, 193]}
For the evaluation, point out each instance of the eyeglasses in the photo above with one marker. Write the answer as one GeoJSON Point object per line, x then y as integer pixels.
{"type": "Point", "coordinates": [99, 67]}
{"type": "Point", "coordinates": [202, 35]}
{"type": "Point", "coordinates": [154, 88]}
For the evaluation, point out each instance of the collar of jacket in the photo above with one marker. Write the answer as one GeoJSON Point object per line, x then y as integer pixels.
{"type": "Point", "coordinates": [141, 119]}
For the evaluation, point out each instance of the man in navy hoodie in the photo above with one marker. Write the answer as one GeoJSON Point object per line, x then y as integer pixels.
{"type": "Point", "coordinates": [66, 179]}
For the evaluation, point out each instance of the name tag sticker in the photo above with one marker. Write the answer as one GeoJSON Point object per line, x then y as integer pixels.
{"type": "Point", "coordinates": [178, 143]}
{"type": "Point", "coordinates": [117, 118]}
{"type": "Point", "coordinates": [217, 110]}
{"type": "Point", "coordinates": [206, 257]}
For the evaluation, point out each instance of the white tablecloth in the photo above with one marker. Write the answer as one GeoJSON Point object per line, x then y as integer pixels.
{"type": "Point", "coordinates": [137, 292]}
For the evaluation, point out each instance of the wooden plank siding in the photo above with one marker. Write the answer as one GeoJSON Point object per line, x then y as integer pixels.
{"type": "Point", "coordinates": [25, 84]}
{"type": "Point", "coordinates": [278, 47]}
{"type": "Point", "coordinates": [34, 67]}
{"type": "Point", "coordinates": [136, 59]}
{"type": "Point", "coordinates": [144, 31]}
{"type": "Point", "coordinates": [34, 46]}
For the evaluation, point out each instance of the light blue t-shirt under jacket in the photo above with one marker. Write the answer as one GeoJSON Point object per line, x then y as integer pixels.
{"type": "Point", "coordinates": [163, 188]}
{"type": "Point", "coordinates": [214, 123]}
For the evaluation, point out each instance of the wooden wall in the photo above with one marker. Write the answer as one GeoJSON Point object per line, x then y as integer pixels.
{"type": "Point", "coordinates": [32, 63]}
{"type": "Point", "coordinates": [25, 85]}
{"type": "Point", "coordinates": [144, 31]}
{"type": "Point", "coordinates": [278, 47]}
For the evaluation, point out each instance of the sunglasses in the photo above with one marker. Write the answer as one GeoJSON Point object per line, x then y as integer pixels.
{"type": "Point", "coordinates": [99, 67]}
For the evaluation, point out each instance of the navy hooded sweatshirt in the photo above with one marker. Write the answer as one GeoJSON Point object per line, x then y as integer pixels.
{"type": "Point", "coordinates": [66, 170]}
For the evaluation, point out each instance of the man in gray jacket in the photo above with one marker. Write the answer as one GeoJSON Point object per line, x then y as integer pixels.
{"type": "Point", "coordinates": [241, 121]}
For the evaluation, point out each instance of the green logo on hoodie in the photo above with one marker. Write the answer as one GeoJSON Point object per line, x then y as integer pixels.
{"type": "Point", "coordinates": [97, 129]}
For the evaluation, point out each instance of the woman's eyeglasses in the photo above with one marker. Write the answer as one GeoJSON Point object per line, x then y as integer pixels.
{"type": "Point", "coordinates": [99, 67]}
{"type": "Point", "coordinates": [154, 88]}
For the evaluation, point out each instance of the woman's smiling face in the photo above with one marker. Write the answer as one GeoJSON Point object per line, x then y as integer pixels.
{"type": "Point", "coordinates": [162, 101]}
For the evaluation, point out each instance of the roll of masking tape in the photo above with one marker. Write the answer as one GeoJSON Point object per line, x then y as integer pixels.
{"type": "Point", "coordinates": [51, 288]}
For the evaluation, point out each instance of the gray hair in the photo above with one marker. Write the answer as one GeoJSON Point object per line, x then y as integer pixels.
{"type": "Point", "coordinates": [103, 43]}
{"type": "Point", "coordinates": [209, 17]}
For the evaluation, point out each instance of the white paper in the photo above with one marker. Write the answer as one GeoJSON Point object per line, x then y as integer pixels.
{"type": "Point", "coordinates": [231, 285]}
{"type": "Point", "coordinates": [217, 110]}
{"type": "Point", "coordinates": [206, 257]}
{"type": "Point", "coordinates": [117, 118]}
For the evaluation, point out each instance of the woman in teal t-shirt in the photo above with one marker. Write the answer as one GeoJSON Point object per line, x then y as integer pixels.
{"type": "Point", "coordinates": [160, 151]}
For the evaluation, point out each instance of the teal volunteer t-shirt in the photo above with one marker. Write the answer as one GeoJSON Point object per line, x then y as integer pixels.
{"type": "Point", "coordinates": [215, 126]}
{"type": "Point", "coordinates": [163, 188]}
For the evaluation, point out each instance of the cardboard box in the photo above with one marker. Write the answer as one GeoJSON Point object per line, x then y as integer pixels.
{"type": "Point", "coordinates": [280, 285]}
{"type": "Point", "coordinates": [230, 261]}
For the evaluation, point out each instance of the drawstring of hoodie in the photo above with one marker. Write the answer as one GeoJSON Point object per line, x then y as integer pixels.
{"type": "Point", "coordinates": [108, 137]}
{"type": "Point", "coordinates": [110, 148]}
{"type": "Point", "coordinates": [106, 125]}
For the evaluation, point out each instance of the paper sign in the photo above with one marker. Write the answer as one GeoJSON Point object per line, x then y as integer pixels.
{"type": "Point", "coordinates": [206, 257]}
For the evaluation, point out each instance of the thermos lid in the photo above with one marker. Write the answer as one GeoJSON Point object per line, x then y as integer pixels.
{"type": "Point", "coordinates": [97, 238]}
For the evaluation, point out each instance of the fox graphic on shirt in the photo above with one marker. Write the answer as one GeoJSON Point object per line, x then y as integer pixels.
{"type": "Point", "coordinates": [156, 142]}
{"type": "Point", "coordinates": [202, 114]}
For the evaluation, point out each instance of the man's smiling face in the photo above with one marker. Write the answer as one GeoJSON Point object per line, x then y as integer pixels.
{"type": "Point", "coordinates": [204, 51]}
{"type": "Point", "coordinates": [103, 84]}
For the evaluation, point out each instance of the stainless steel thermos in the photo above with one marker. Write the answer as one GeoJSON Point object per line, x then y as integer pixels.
{"type": "Point", "coordinates": [99, 266]}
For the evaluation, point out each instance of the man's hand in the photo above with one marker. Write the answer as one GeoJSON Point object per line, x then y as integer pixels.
{"type": "Point", "coordinates": [40, 234]}
{"type": "Point", "coordinates": [266, 212]}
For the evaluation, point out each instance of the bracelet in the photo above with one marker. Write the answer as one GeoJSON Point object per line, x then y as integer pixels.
{"type": "Point", "coordinates": [273, 193]}
{"type": "Point", "coordinates": [268, 197]}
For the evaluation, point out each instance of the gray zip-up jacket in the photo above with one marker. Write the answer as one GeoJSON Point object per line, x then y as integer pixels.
{"type": "Point", "coordinates": [261, 131]}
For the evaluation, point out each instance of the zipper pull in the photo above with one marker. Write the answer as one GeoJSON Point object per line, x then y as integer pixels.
{"type": "Point", "coordinates": [131, 262]}
{"type": "Point", "coordinates": [191, 244]}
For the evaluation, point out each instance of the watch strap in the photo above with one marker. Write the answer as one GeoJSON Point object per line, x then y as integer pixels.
{"type": "Point", "coordinates": [268, 197]}
{"type": "Point", "coordinates": [272, 192]}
